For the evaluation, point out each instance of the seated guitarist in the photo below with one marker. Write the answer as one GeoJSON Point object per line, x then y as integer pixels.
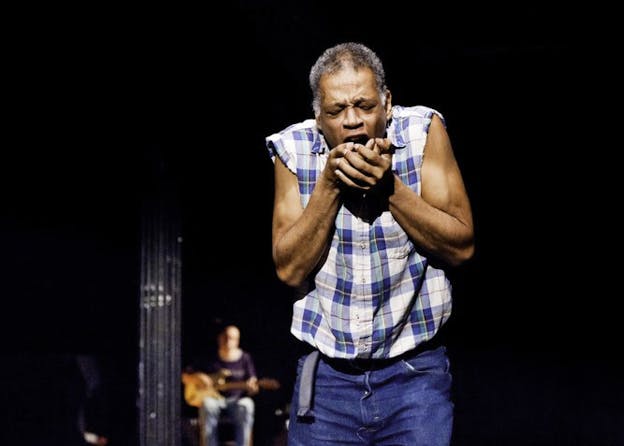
{"type": "Point", "coordinates": [223, 383]}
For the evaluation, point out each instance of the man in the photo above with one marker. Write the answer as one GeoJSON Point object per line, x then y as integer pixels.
{"type": "Point", "coordinates": [370, 209]}
{"type": "Point", "coordinates": [223, 383]}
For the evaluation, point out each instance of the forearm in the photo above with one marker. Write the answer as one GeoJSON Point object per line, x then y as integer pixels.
{"type": "Point", "coordinates": [445, 234]}
{"type": "Point", "coordinates": [297, 250]}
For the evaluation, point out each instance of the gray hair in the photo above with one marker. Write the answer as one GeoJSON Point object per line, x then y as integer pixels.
{"type": "Point", "coordinates": [343, 55]}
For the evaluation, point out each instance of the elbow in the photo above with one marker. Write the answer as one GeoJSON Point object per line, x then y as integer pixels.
{"type": "Point", "coordinates": [289, 276]}
{"type": "Point", "coordinates": [462, 249]}
{"type": "Point", "coordinates": [461, 254]}
{"type": "Point", "coordinates": [288, 270]}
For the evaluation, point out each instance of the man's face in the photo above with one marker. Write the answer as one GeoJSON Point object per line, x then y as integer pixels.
{"type": "Point", "coordinates": [231, 337]}
{"type": "Point", "coordinates": [351, 109]}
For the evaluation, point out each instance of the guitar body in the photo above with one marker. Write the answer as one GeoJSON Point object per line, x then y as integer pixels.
{"type": "Point", "coordinates": [197, 386]}
{"type": "Point", "coordinates": [194, 394]}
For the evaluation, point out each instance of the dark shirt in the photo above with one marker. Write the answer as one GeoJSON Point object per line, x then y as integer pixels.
{"type": "Point", "coordinates": [238, 371]}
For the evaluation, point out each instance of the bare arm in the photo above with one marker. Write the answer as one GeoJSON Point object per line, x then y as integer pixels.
{"type": "Point", "coordinates": [440, 220]}
{"type": "Point", "coordinates": [300, 236]}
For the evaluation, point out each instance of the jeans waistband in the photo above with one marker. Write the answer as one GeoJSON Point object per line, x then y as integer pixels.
{"type": "Point", "coordinates": [358, 366]}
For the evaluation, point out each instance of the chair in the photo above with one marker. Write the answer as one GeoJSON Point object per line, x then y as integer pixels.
{"type": "Point", "coordinates": [191, 432]}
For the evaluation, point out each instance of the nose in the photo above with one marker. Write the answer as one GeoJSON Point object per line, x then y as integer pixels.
{"type": "Point", "coordinates": [352, 118]}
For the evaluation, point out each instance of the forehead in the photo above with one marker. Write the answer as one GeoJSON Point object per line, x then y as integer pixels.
{"type": "Point", "coordinates": [231, 332]}
{"type": "Point", "coordinates": [348, 84]}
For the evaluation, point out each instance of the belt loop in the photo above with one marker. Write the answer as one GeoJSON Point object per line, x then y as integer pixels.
{"type": "Point", "coordinates": [306, 385]}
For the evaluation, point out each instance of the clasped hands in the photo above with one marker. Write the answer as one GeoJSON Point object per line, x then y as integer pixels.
{"type": "Point", "coordinates": [359, 166]}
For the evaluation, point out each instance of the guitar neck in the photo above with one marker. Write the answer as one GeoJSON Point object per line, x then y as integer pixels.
{"type": "Point", "coordinates": [232, 385]}
{"type": "Point", "coordinates": [264, 383]}
{"type": "Point", "coordinates": [196, 388]}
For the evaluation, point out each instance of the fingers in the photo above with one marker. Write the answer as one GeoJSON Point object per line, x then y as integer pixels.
{"type": "Point", "coordinates": [348, 147]}
{"type": "Point", "coordinates": [355, 172]}
{"type": "Point", "coordinates": [339, 164]}
{"type": "Point", "coordinates": [370, 158]}
{"type": "Point", "coordinates": [383, 145]}
{"type": "Point", "coordinates": [374, 148]}
{"type": "Point", "coordinates": [350, 181]}
{"type": "Point", "coordinates": [361, 166]}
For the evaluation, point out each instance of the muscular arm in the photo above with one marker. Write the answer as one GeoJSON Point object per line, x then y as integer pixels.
{"type": "Point", "coordinates": [301, 236]}
{"type": "Point", "coordinates": [440, 220]}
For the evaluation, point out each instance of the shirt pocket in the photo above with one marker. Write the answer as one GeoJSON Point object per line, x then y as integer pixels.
{"type": "Point", "coordinates": [391, 239]}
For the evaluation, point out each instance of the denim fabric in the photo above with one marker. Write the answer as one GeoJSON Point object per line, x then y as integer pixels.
{"type": "Point", "coordinates": [239, 411]}
{"type": "Point", "coordinates": [406, 403]}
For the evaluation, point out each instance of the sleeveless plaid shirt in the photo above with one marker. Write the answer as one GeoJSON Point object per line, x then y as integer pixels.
{"type": "Point", "coordinates": [375, 296]}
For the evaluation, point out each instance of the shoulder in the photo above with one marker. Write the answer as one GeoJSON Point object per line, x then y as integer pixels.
{"type": "Point", "coordinates": [410, 125]}
{"type": "Point", "coordinates": [296, 132]}
{"type": "Point", "coordinates": [415, 112]}
{"type": "Point", "coordinates": [294, 142]}
{"type": "Point", "coordinates": [247, 357]}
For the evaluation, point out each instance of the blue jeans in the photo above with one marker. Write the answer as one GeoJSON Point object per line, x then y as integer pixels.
{"type": "Point", "coordinates": [405, 403]}
{"type": "Point", "coordinates": [240, 411]}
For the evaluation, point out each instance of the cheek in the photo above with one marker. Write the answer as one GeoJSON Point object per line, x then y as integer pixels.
{"type": "Point", "coordinates": [377, 127]}
{"type": "Point", "coordinates": [331, 134]}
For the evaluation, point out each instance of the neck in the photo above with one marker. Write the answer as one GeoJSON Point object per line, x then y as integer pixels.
{"type": "Point", "coordinates": [230, 354]}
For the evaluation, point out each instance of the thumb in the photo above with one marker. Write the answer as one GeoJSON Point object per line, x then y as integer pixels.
{"type": "Point", "coordinates": [383, 145]}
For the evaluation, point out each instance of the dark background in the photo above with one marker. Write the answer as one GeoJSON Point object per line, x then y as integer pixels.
{"type": "Point", "coordinates": [95, 97]}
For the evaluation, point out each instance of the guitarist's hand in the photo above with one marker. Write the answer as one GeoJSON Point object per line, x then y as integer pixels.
{"type": "Point", "coordinates": [251, 386]}
{"type": "Point", "coordinates": [205, 380]}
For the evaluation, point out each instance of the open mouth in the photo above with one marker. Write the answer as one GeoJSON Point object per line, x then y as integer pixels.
{"type": "Point", "coordinates": [358, 139]}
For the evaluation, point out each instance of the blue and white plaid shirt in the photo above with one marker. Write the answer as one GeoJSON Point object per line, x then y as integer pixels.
{"type": "Point", "coordinates": [375, 296]}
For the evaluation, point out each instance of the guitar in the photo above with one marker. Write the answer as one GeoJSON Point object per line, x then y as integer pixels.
{"type": "Point", "coordinates": [197, 387]}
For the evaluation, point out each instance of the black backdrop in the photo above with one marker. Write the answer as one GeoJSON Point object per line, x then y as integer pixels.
{"type": "Point", "coordinates": [95, 99]}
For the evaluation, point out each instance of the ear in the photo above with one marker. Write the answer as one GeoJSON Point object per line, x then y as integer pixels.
{"type": "Point", "coordinates": [388, 105]}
